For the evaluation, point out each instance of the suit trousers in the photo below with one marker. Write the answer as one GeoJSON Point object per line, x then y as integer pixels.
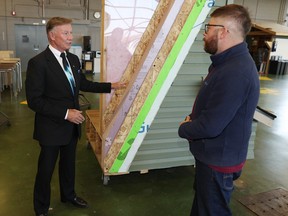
{"type": "Point", "coordinates": [46, 165]}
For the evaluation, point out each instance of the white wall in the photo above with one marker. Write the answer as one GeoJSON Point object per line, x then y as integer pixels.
{"type": "Point", "coordinates": [30, 11]}
{"type": "Point", "coordinates": [267, 10]}
{"type": "Point", "coordinates": [286, 14]}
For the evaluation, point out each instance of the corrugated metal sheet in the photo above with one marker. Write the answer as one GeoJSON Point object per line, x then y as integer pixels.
{"type": "Point", "coordinates": [162, 148]}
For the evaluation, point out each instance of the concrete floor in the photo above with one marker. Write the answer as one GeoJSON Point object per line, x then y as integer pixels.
{"type": "Point", "coordinates": [160, 192]}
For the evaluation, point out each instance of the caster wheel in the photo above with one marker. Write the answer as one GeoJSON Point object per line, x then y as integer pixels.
{"type": "Point", "coordinates": [105, 179]}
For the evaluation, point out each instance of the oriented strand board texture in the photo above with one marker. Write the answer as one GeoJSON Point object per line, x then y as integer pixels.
{"type": "Point", "coordinates": [143, 62]}
{"type": "Point", "coordinates": [134, 65]}
{"type": "Point", "coordinates": [148, 83]}
{"type": "Point", "coordinates": [124, 24]}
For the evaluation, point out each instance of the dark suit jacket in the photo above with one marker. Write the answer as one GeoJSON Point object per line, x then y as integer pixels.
{"type": "Point", "coordinates": [49, 95]}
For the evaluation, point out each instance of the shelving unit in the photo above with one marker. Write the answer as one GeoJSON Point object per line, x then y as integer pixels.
{"type": "Point", "coordinates": [262, 41]}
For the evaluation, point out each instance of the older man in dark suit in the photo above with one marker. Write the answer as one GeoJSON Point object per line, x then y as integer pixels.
{"type": "Point", "coordinates": [53, 82]}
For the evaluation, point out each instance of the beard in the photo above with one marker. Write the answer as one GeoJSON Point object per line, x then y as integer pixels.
{"type": "Point", "coordinates": [211, 46]}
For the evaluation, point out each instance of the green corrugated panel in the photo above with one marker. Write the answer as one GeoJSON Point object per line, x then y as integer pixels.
{"type": "Point", "coordinates": [162, 163]}
{"type": "Point", "coordinates": [172, 101]}
{"type": "Point", "coordinates": [196, 58]}
{"type": "Point", "coordinates": [158, 144]}
{"type": "Point", "coordinates": [159, 139]}
{"type": "Point", "coordinates": [195, 70]}
{"type": "Point", "coordinates": [197, 46]}
{"type": "Point", "coordinates": [220, 3]}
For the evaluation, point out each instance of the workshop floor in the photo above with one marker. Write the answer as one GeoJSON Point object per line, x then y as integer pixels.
{"type": "Point", "coordinates": [159, 192]}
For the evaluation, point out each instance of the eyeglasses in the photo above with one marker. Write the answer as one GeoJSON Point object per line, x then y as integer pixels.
{"type": "Point", "coordinates": [207, 27]}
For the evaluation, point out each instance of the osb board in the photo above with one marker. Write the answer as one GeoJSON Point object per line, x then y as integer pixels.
{"type": "Point", "coordinates": [271, 203]}
{"type": "Point", "coordinates": [148, 84]}
{"type": "Point", "coordinates": [124, 24]}
{"type": "Point", "coordinates": [158, 93]}
{"type": "Point", "coordinates": [135, 73]}
{"type": "Point", "coordinates": [133, 65]}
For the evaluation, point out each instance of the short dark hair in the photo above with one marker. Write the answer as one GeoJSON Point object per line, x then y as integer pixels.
{"type": "Point", "coordinates": [237, 13]}
{"type": "Point", "coordinates": [57, 21]}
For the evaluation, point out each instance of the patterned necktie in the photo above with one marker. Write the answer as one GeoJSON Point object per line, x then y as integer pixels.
{"type": "Point", "coordinates": [68, 71]}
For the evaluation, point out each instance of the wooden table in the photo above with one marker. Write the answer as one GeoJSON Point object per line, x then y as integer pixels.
{"type": "Point", "coordinates": [10, 75]}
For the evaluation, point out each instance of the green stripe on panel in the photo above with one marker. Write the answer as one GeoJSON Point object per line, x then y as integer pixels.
{"type": "Point", "coordinates": [187, 28]}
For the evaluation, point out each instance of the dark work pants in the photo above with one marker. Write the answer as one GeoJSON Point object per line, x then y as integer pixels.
{"type": "Point", "coordinates": [46, 164]}
{"type": "Point", "coordinates": [213, 191]}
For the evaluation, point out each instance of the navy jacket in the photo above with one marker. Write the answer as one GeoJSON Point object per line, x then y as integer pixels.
{"type": "Point", "coordinates": [223, 111]}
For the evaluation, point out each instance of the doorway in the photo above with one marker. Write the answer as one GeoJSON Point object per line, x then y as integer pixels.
{"type": "Point", "coordinates": [30, 41]}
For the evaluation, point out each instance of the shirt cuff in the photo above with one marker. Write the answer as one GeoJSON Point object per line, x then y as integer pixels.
{"type": "Point", "coordinates": [66, 114]}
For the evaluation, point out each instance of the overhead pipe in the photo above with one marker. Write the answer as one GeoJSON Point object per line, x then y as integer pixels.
{"type": "Point", "coordinates": [282, 12]}
{"type": "Point", "coordinates": [86, 9]}
{"type": "Point", "coordinates": [43, 8]}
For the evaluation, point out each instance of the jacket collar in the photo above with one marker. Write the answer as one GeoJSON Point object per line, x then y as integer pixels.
{"type": "Point", "coordinates": [230, 53]}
